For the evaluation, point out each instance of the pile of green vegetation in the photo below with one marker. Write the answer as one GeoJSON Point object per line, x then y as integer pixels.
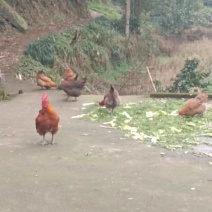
{"type": "Point", "coordinates": [156, 122]}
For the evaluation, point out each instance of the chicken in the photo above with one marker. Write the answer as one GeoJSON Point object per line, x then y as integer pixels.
{"type": "Point", "coordinates": [69, 74]}
{"type": "Point", "coordinates": [44, 81]}
{"type": "Point", "coordinates": [195, 106]}
{"type": "Point", "coordinates": [73, 87]}
{"type": "Point", "coordinates": [111, 99]}
{"type": "Point", "coordinates": [47, 120]}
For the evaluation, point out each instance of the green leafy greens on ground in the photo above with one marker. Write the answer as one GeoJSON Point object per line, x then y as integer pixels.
{"type": "Point", "coordinates": [156, 121]}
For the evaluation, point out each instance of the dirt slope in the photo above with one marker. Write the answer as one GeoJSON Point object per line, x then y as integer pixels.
{"type": "Point", "coordinates": [11, 49]}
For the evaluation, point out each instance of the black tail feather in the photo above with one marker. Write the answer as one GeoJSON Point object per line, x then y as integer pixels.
{"type": "Point", "coordinates": [111, 89]}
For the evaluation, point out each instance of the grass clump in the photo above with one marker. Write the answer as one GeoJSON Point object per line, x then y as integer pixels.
{"type": "Point", "coordinates": [155, 121]}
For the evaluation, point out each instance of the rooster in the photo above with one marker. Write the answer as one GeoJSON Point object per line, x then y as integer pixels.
{"type": "Point", "coordinates": [195, 106]}
{"type": "Point", "coordinates": [44, 81]}
{"type": "Point", "coordinates": [111, 99]}
{"type": "Point", "coordinates": [73, 87]}
{"type": "Point", "coordinates": [47, 120]}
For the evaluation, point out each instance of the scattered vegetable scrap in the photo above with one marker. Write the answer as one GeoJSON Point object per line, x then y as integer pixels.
{"type": "Point", "coordinates": [155, 121]}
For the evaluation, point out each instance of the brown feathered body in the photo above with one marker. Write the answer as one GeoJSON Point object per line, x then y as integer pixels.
{"type": "Point", "coordinates": [73, 87]}
{"type": "Point", "coordinates": [44, 81]}
{"type": "Point", "coordinates": [111, 99]}
{"type": "Point", "coordinates": [195, 106]}
{"type": "Point", "coordinates": [47, 120]}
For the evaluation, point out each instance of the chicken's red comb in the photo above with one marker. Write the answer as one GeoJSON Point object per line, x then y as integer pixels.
{"type": "Point", "coordinates": [44, 97]}
{"type": "Point", "coordinates": [101, 103]}
{"type": "Point", "coordinates": [180, 113]}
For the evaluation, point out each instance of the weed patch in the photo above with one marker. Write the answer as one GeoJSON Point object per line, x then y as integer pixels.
{"type": "Point", "coordinates": [110, 12]}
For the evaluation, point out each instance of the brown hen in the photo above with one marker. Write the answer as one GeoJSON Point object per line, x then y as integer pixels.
{"type": "Point", "coordinates": [195, 106]}
{"type": "Point", "coordinates": [44, 81]}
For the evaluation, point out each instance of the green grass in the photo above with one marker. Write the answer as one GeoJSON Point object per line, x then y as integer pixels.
{"type": "Point", "coordinates": [155, 121]}
{"type": "Point", "coordinates": [113, 74]}
{"type": "Point", "coordinates": [109, 11]}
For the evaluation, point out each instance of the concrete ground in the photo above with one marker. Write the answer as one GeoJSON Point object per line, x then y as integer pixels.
{"type": "Point", "coordinates": [91, 169]}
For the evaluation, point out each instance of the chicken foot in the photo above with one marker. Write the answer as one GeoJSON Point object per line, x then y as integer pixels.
{"type": "Point", "coordinates": [72, 100]}
{"type": "Point", "coordinates": [44, 141]}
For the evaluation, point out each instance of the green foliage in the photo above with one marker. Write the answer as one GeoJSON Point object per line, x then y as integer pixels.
{"type": "Point", "coordinates": [118, 70]}
{"type": "Point", "coordinates": [110, 12]}
{"type": "Point", "coordinates": [204, 17]}
{"type": "Point", "coordinates": [148, 44]}
{"type": "Point", "coordinates": [42, 51]}
{"type": "Point", "coordinates": [100, 50]}
{"type": "Point", "coordinates": [175, 16]}
{"type": "Point", "coordinates": [134, 24]}
{"type": "Point", "coordinates": [155, 121]}
{"type": "Point", "coordinates": [189, 77]}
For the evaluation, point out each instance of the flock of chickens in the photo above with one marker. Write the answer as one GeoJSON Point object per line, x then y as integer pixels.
{"type": "Point", "coordinates": [47, 119]}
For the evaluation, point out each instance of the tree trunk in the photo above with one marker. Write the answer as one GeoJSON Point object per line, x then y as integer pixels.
{"type": "Point", "coordinates": [137, 8]}
{"type": "Point", "coordinates": [12, 16]}
{"type": "Point", "coordinates": [127, 17]}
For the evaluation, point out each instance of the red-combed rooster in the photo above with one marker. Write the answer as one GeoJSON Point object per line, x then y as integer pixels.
{"type": "Point", "coordinates": [111, 99]}
{"type": "Point", "coordinates": [47, 120]}
{"type": "Point", "coordinates": [195, 106]}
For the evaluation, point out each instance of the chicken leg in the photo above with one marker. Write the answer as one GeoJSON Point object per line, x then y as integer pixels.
{"type": "Point", "coordinates": [52, 142]}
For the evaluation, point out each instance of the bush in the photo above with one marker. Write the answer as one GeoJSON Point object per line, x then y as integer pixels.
{"type": "Point", "coordinates": [134, 24]}
{"type": "Point", "coordinates": [174, 16]}
{"type": "Point", "coordinates": [189, 77]}
{"type": "Point", "coordinates": [42, 51]}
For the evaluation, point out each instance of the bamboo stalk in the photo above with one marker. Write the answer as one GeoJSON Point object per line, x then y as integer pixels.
{"type": "Point", "coordinates": [153, 85]}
